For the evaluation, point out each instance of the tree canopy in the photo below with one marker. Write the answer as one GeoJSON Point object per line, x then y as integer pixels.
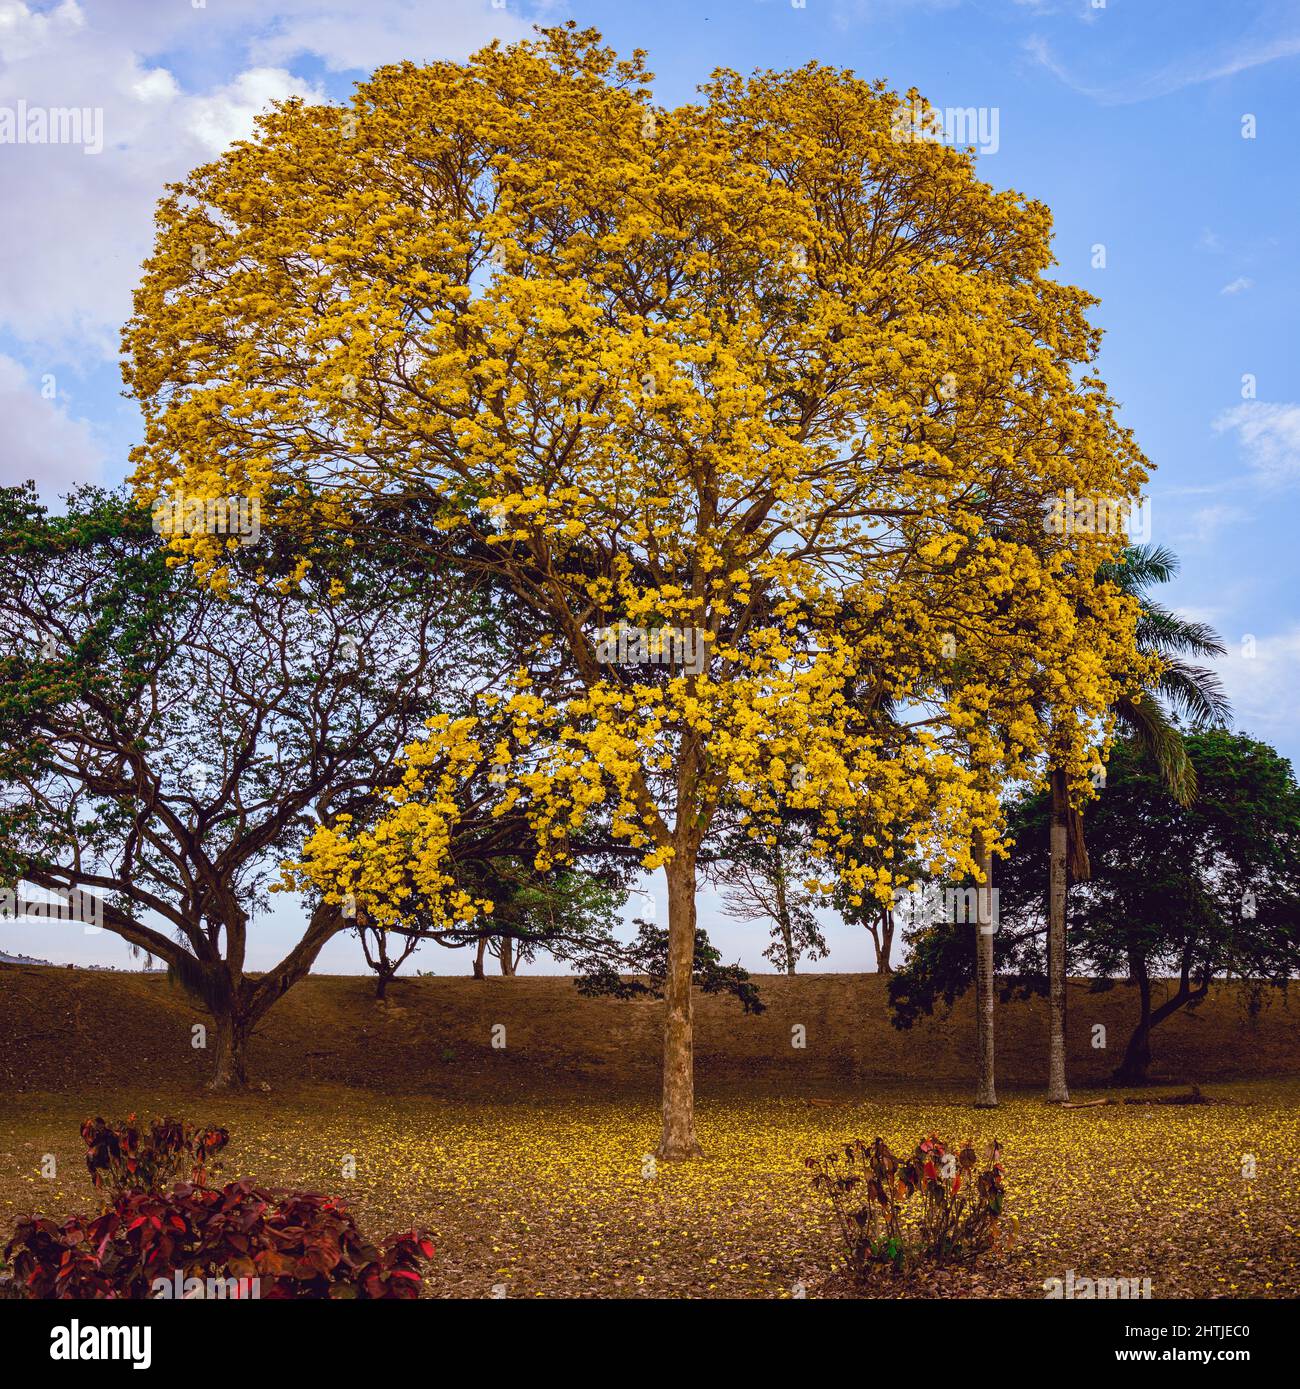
{"type": "Point", "coordinates": [753, 375]}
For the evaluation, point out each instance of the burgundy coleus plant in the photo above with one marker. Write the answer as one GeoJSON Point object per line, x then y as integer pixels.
{"type": "Point", "coordinates": [297, 1244]}
{"type": "Point", "coordinates": [130, 1155]}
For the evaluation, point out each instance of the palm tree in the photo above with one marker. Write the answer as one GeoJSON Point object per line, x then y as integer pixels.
{"type": "Point", "coordinates": [986, 1096]}
{"type": "Point", "coordinates": [1184, 692]}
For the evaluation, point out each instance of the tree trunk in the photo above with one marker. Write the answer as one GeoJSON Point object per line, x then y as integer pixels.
{"type": "Point", "coordinates": [381, 985]}
{"type": "Point", "coordinates": [1137, 1055]}
{"type": "Point", "coordinates": [985, 1091]}
{"type": "Point", "coordinates": [231, 1069]}
{"type": "Point", "coordinates": [478, 958]}
{"type": "Point", "coordinates": [678, 1138]}
{"type": "Point", "coordinates": [507, 956]}
{"type": "Point", "coordinates": [885, 943]}
{"type": "Point", "coordinates": [1057, 1091]}
{"type": "Point", "coordinates": [783, 912]}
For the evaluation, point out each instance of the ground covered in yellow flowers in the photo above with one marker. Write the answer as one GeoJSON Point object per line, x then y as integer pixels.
{"type": "Point", "coordinates": [560, 1198]}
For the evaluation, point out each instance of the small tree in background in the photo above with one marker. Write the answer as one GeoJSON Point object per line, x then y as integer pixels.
{"type": "Point", "coordinates": [761, 881]}
{"type": "Point", "coordinates": [1180, 895]}
{"type": "Point", "coordinates": [645, 962]}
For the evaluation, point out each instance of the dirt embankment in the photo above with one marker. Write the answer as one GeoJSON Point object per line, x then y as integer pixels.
{"type": "Point", "coordinates": [67, 1028]}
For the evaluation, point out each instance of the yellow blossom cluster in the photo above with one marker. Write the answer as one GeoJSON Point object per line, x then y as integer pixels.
{"type": "Point", "coordinates": [403, 859]}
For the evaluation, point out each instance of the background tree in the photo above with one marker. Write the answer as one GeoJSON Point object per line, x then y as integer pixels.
{"type": "Point", "coordinates": [761, 881]}
{"type": "Point", "coordinates": [1184, 691]}
{"type": "Point", "coordinates": [384, 955]}
{"type": "Point", "coordinates": [1204, 891]}
{"type": "Point", "coordinates": [164, 746]}
{"type": "Point", "coordinates": [643, 968]}
{"type": "Point", "coordinates": [760, 374]}
{"type": "Point", "coordinates": [567, 912]}
{"type": "Point", "coordinates": [881, 920]}
{"type": "Point", "coordinates": [1180, 895]}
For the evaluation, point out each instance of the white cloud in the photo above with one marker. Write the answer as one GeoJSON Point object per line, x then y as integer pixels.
{"type": "Point", "coordinates": [345, 36]}
{"type": "Point", "coordinates": [1261, 674]}
{"type": "Point", "coordinates": [24, 32]}
{"type": "Point", "coordinates": [156, 85]}
{"type": "Point", "coordinates": [1269, 435]}
{"type": "Point", "coordinates": [229, 113]}
{"type": "Point", "coordinates": [1175, 75]}
{"type": "Point", "coordinates": [41, 441]}
{"type": "Point", "coordinates": [1236, 286]}
{"type": "Point", "coordinates": [76, 226]}
{"type": "Point", "coordinates": [1207, 521]}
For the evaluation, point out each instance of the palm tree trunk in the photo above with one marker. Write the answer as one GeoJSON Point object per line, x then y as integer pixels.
{"type": "Point", "coordinates": [1057, 1091]}
{"type": "Point", "coordinates": [985, 1090]}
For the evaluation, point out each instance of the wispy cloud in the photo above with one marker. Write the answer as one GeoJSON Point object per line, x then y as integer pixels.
{"type": "Point", "coordinates": [1171, 78]}
{"type": "Point", "coordinates": [1260, 673]}
{"type": "Point", "coordinates": [1242, 282]}
{"type": "Point", "coordinates": [1206, 522]}
{"type": "Point", "coordinates": [1269, 436]}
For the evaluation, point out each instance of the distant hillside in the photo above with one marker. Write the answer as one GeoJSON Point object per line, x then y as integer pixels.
{"type": "Point", "coordinates": [66, 1028]}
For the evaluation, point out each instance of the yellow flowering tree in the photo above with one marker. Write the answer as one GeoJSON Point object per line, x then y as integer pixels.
{"type": "Point", "coordinates": [754, 403]}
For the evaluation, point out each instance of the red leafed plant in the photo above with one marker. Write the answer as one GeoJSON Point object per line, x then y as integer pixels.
{"type": "Point", "coordinates": [935, 1205]}
{"type": "Point", "coordinates": [296, 1244]}
{"type": "Point", "coordinates": [132, 1156]}
{"type": "Point", "coordinates": [299, 1244]}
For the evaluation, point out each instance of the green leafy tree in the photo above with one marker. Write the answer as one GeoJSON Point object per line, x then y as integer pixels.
{"type": "Point", "coordinates": [1185, 692]}
{"type": "Point", "coordinates": [644, 968]}
{"type": "Point", "coordinates": [1183, 894]}
{"type": "Point", "coordinates": [164, 747]}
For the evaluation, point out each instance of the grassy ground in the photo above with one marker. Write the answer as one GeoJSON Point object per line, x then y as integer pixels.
{"type": "Point", "coordinates": [552, 1198]}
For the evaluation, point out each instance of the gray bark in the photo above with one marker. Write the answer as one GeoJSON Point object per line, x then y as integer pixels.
{"type": "Point", "coordinates": [1057, 1091]}
{"type": "Point", "coordinates": [985, 1090]}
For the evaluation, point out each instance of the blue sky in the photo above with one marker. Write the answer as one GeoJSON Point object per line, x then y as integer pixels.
{"type": "Point", "coordinates": [1163, 131]}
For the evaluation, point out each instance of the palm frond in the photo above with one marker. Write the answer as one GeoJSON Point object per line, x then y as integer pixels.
{"type": "Point", "coordinates": [1194, 692]}
{"type": "Point", "coordinates": [1149, 726]}
{"type": "Point", "coordinates": [1139, 567]}
{"type": "Point", "coordinates": [1160, 630]}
